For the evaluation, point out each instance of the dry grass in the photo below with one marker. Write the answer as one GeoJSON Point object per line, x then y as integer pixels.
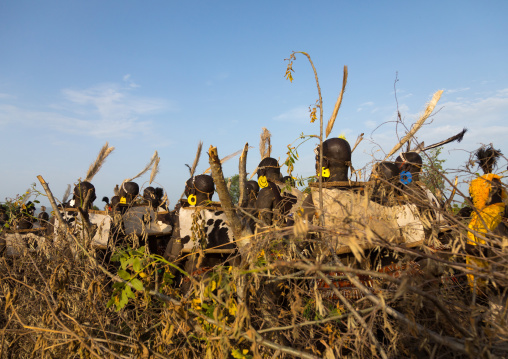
{"type": "Point", "coordinates": [54, 302]}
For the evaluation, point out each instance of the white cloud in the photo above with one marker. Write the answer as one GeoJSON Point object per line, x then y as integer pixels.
{"type": "Point", "coordinates": [298, 114]}
{"type": "Point", "coordinates": [370, 124]}
{"type": "Point", "coordinates": [102, 111]}
{"type": "Point", "coordinates": [6, 96]}
{"type": "Point", "coordinates": [450, 91]}
{"type": "Point", "coordinates": [363, 105]}
{"type": "Point", "coordinates": [485, 118]}
{"type": "Point", "coordinates": [129, 82]}
{"type": "Point", "coordinates": [221, 76]}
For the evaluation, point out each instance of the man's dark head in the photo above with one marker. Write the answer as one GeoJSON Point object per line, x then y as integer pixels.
{"type": "Point", "coordinates": [81, 191]}
{"type": "Point", "coordinates": [200, 184]}
{"type": "Point", "coordinates": [129, 190]}
{"type": "Point", "coordinates": [153, 196]}
{"type": "Point", "coordinates": [336, 153]}
{"type": "Point", "coordinates": [409, 161]}
{"type": "Point", "coordinates": [269, 167]}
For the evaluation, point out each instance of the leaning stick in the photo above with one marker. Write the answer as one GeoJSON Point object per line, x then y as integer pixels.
{"type": "Point", "coordinates": [331, 121]}
{"type": "Point", "coordinates": [265, 147]}
{"type": "Point", "coordinates": [196, 159]}
{"type": "Point", "coordinates": [239, 230]}
{"type": "Point", "coordinates": [449, 200]}
{"type": "Point", "coordinates": [242, 180]}
{"type": "Point", "coordinates": [430, 107]}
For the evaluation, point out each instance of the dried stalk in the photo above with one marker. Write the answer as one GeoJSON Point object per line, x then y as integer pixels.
{"type": "Point", "coordinates": [144, 170]}
{"type": "Point", "coordinates": [155, 170]}
{"type": "Point", "coordinates": [320, 105]}
{"type": "Point", "coordinates": [331, 121]}
{"type": "Point", "coordinates": [430, 107]}
{"type": "Point", "coordinates": [358, 140]}
{"type": "Point", "coordinates": [101, 158]}
{"type": "Point", "coordinates": [196, 158]}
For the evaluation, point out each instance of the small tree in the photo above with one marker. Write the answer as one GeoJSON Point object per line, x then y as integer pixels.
{"type": "Point", "coordinates": [234, 188]}
{"type": "Point", "coordinates": [432, 171]}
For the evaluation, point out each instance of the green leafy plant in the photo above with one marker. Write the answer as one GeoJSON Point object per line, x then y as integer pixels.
{"type": "Point", "coordinates": [16, 207]}
{"type": "Point", "coordinates": [137, 269]}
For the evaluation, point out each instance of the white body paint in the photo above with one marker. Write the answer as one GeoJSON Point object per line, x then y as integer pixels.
{"type": "Point", "coordinates": [187, 216]}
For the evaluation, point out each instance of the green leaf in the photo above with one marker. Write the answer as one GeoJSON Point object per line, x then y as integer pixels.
{"type": "Point", "coordinates": [124, 275]}
{"type": "Point", "coordinates": [110, 302]}
{"type": "Point", "coordinates": [137, 265]}
{"type": "Point", "coordinates": [136, 284]}
{"type": "Point", "coordinates": [129, 292]}
{"type": "Point", "coordinates": [118, 285]}
{"type": "Point", "coordinates": [123, 301]}
{"type": "Point", "coordinates": [126, 262]}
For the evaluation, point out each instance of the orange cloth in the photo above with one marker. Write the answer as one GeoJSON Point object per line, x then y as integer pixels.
{"type": "Point", "coordinates": [486, 220]}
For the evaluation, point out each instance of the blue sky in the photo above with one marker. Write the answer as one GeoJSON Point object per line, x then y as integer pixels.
{"type": "Point", "coordinates": [163, 75]}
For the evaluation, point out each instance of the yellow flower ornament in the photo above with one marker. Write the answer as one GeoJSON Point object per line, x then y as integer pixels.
{"type": "Point", "coordinates": [192, 199]}
{"type": "Point", "coordinates": [262, 182]}
{"type": "Point", "coordinates": [325, 172]}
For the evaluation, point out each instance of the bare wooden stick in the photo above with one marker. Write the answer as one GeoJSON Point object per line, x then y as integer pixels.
{"type": "Point", "coordinates": [265, 147]}
{"type": "Point", "coordinates": [331, 121]}
{"type": "Point", "coordinates": [242, 179]}
{"type": "Point", "coordinates": [239, 231]}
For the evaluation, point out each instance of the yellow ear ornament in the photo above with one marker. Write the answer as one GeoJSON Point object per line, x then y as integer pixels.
{"type": "Point", "coordinates": [325, 172]}
{"type": "Point", "coordinates": [262, 182]}
{"type": "Point", "coordinates": [123, 200]}
{"type": "Point", "coordinates": [192, 199]}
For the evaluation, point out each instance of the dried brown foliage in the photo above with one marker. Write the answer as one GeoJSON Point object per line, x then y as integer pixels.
{"type": "Point", "coordinates": [53, 300]}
